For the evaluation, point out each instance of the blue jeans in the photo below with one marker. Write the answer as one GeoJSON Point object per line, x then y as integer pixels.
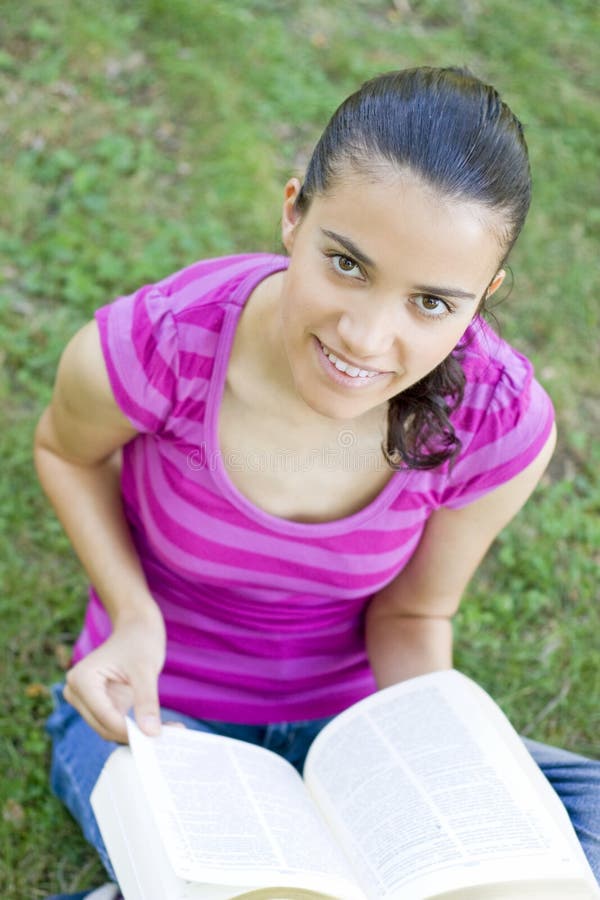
{"type": "Point", "coordinates": [78, 754]}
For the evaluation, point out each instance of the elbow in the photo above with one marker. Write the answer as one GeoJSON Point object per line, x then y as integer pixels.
{"type": "Point", "coordinates": [43, 442]}
{"type": "Point", "coordinates": [42, 450]}
{"type": "Point", "coordinates": [40, 436]}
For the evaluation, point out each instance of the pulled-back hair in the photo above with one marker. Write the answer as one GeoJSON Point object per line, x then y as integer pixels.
{"type": "Point", "coordinates": [454, 133]}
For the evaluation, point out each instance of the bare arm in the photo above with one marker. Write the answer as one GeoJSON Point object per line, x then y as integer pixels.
{"type": "Point", "coordinates": [76, 453]}
{"type": "Point", "coordinates": [408, 623]}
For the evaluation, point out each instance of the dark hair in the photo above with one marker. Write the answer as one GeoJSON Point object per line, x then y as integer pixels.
{"type": "Point", "coordinates": [453, 131]}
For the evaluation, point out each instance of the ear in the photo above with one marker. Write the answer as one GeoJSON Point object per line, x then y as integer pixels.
{"type": "Point", "coordinates": [291, 216]}
{"type": "Point", "coordinates": [495, 283]}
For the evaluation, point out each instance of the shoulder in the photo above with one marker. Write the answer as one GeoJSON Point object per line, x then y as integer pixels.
{"type": "Point", "coordinates": [195, 292]}
{"type": "Point", "coordinates": [187, 307]}
{"type": "Point", "coordinates": [160, 341]}
{"type": "Point", "coordinates": [504, 420]}
{"type": "Point", "coordinates": [219, 282]}
{"type": "Point", "coordinates": [501, 389]}
{"type": "Point", "coordinates": [492, 364]}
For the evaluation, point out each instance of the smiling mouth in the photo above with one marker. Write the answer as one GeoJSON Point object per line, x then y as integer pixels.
{"type": "Point", "coordinates": [348, 368]}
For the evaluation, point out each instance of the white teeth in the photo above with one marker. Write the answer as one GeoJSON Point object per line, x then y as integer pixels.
{"type": "Point", "coordinates": [352, 371]}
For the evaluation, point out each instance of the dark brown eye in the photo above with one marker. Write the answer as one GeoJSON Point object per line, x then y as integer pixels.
{"type": "Point", "coordinates": [345, 265]}
{"type": "Point", "coordinates": [431, 306]}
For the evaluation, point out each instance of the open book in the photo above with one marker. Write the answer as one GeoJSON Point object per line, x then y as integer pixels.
{"type": "Point", "coordinates": [423, 790]}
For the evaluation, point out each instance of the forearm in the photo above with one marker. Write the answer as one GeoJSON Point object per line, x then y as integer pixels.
{"type": "Point", "coordinates": [87, 501]}
{"type": "Point", "coordinates": [401, 646]}
{"type": "Point", "coordinates": [77, 455]}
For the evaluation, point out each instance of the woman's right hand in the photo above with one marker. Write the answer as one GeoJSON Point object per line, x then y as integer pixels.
{"type": "Point", "coordinates": [120, 674]}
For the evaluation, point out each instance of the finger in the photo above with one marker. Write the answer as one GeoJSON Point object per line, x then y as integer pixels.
{"type": "Point", "coordinates": [117, 734]}
{"type": "Point", "coordinates": [146, 708]}
{"type": "Point", "coordinates": [97, 710]}
{"type": "Point", "coordinates": [120, 695]}
{"type": "Point", "coordinates": [113, 730]}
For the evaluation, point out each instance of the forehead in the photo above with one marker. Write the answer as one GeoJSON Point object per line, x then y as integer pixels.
{"type": "Point", "coordinates": [396, 216]}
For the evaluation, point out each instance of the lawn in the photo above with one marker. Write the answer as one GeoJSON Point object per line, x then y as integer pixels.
{"type": "Point", "coordinates": [139, 135]}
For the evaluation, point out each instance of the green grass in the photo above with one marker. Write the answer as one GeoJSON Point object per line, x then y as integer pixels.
{"type": "Point", "coordinates": [138, 136]}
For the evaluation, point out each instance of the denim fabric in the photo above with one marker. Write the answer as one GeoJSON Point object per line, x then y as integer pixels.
{"type": "Point", "coordinates": [106, 892]}
{"type": "Point", "coordinates": [78, 755]}
{"type": "Point", "coordinates": [576, 780]}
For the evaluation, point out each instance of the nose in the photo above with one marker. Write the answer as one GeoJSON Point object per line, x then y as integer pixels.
{"type": "Point", "coordinates": [368, 333]}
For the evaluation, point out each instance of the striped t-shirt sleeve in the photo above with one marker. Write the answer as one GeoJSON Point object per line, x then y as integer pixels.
{"type": "Point", "coordinates": [139, 342]}
{"type": "Point", "coordinates": [503, 427]}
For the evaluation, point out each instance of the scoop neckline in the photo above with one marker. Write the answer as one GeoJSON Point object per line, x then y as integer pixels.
{"type": "Point", "coordinates": [268, 520]}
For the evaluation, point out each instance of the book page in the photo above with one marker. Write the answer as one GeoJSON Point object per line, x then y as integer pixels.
{"type": "Point", "coordinates": [429, 788]}
{"type": "Point", "coordinates": [130, 839]}
{"type": "Point", "coordinates": [232, 813]}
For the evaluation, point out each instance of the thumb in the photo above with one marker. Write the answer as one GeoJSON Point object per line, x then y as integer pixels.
{"type": "Point", "coordinates": [146, 707]}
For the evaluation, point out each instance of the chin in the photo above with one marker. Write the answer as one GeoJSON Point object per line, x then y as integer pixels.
{"type": "Point", "coordinates": [337, 408]}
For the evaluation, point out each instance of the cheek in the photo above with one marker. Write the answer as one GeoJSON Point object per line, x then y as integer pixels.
{"type": "Point", "coordinates": [436, 343]}
{"type": "Point", "coordinates": [295, 313]}
{"type": "Point", "coordinates": [302, 304]}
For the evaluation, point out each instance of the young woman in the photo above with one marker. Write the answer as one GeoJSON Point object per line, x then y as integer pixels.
{"type": "Point", "coordinates": [280, 472]}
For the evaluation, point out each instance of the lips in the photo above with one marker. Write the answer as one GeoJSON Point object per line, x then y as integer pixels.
{"type": "Point", "coordinates": [339, 372]}
{"type": "Point", "coordinates": [344, 365]}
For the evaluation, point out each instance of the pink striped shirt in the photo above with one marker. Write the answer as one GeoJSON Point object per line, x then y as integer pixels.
{"type": "Point", "coordinates": [264, 615]}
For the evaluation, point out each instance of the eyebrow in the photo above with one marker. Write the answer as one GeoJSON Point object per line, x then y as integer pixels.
{"type": "Point", "coordinates": [445, 292]}
{"type": "Point", "coordinates": [350, 246]}
{"type": "Point", "coordinates": [361, 257]}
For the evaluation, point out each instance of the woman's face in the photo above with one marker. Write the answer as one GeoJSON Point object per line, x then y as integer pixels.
{"type": "Point", "coordinates": [384, 278]}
